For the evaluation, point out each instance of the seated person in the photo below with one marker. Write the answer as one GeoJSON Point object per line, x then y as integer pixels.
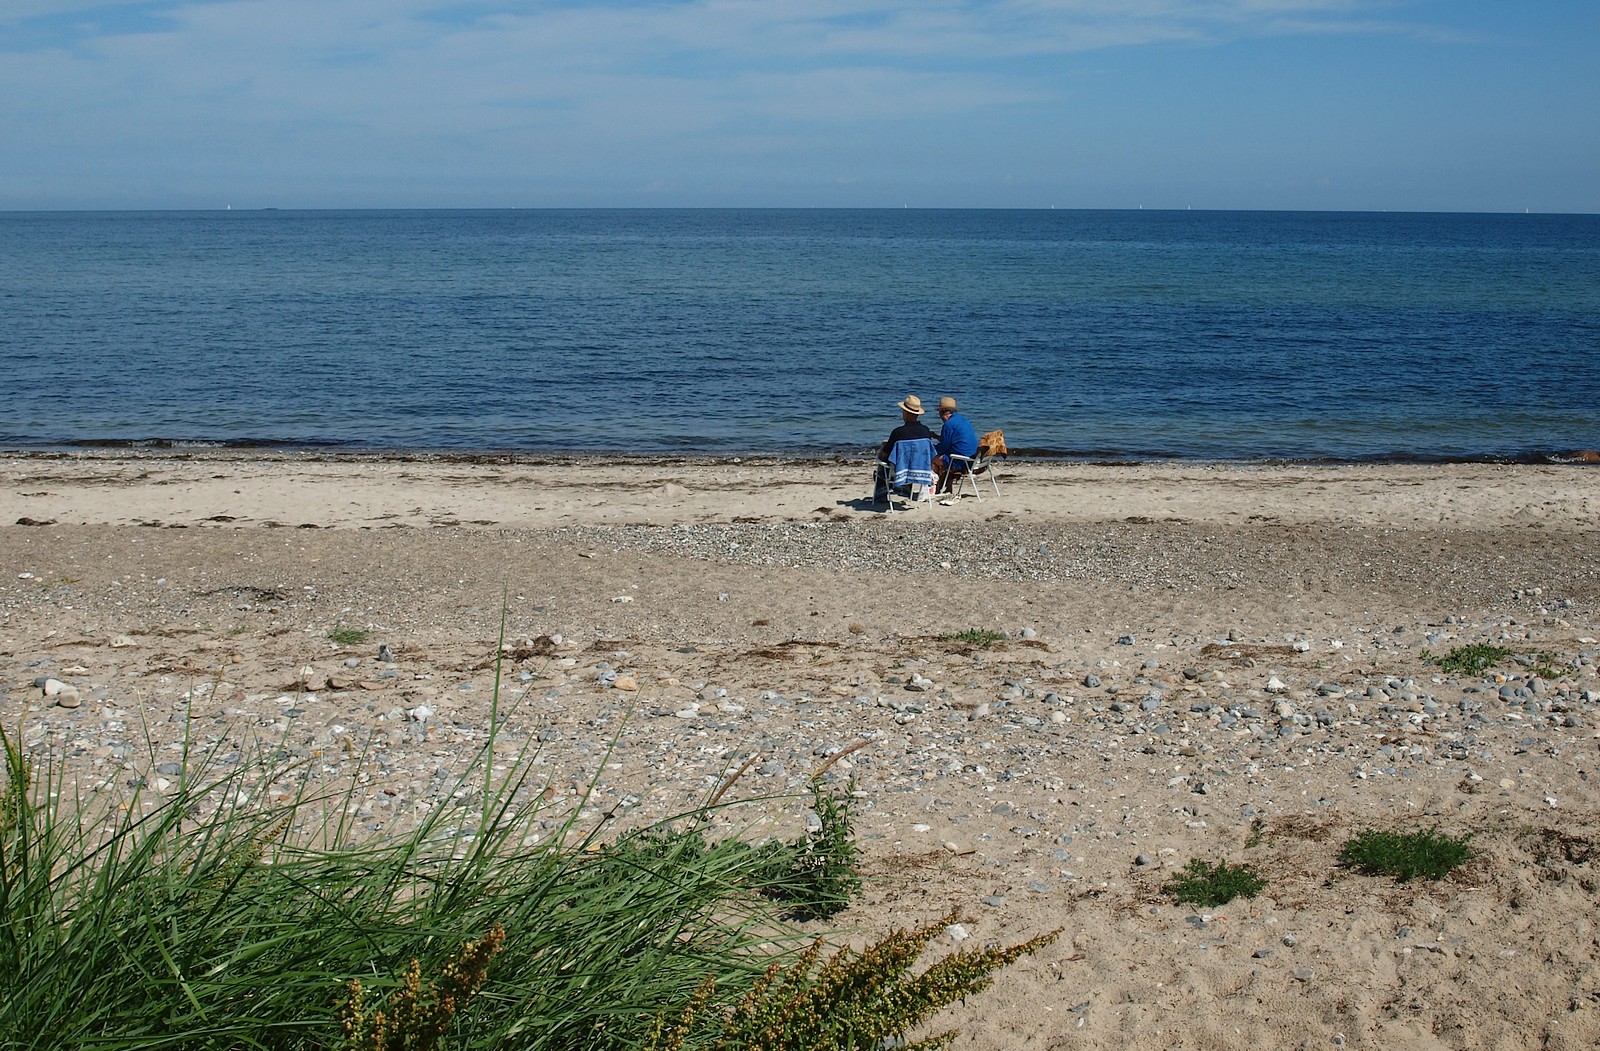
{"type": "Point", "coordinates": [957, 437]}
{"type": "Point", "coordinates": [911, 412]}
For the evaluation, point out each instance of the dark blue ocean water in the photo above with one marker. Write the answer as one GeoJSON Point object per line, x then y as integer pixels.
{"type": "Point", "coordinates": [1091, 334]}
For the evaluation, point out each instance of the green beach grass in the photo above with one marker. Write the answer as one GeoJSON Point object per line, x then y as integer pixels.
{"type": "Point", "coordinates": [211, 916]}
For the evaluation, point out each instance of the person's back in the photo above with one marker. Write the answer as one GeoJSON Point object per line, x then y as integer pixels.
{"type": "Point", "coordinates": [910, 428]}
{"type": "Point", "coordinates": [956, 438]}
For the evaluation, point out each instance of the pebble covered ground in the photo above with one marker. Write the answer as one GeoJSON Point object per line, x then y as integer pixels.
{"type": "Point", "coordinates": [1042, 723]}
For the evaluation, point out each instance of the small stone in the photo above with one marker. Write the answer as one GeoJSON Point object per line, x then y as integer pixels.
{"type": "Point", "coordinates": [121, 642]}
{"type": "Point", "coordinates": [625, 682]}
{"type": "Point", "coordinates": [68, 697]}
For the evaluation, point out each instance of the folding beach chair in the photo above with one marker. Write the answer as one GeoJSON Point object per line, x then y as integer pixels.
{"type": "Point", "coordinates": [909, 468]}
{"type": "Point", "coordinates": [991, 447]}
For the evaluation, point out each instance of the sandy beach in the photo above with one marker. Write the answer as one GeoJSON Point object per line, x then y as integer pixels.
{"type": "Point", "coordinates": [1231, 663]}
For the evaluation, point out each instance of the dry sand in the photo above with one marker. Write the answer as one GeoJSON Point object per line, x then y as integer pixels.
{"type": "Point", "coordinates": [1214, 662]}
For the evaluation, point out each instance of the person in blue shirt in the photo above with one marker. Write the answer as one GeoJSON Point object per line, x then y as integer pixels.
{"type": "Point", "coordinates": [956, 437]}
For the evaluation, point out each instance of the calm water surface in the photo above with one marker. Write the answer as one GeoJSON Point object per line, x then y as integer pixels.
{"type": "Point", "coordinates": [1087, 334]}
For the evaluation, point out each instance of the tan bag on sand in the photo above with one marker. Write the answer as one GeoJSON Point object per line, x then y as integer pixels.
{"type": "Point", "coordinates": [992, 444]}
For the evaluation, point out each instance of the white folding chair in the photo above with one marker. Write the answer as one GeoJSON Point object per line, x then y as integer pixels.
{"type": "Point", "coordinates": [884, 471]}
{"type": "Point", "coordinates": [972, 466]}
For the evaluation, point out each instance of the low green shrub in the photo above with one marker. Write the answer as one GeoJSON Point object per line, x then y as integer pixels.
{"type": "Point", "coordinates": [1546, 665]}
{"type": "Point", "coordinates": [1473, 659]}
{"type": "Point", "coordinates": [1207, 885]}
{"type": "Point", "coordinates": [817, 875]}
{"type": "Point", "coordinates": [345, 636]}
{"type": "Point", "coordinates": [1406, 855]}
{"type": "Point", "coordinates": [975, 637]}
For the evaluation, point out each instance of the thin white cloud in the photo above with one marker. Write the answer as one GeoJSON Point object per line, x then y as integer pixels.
{"type": "Point", "coordinates": [229, 90]}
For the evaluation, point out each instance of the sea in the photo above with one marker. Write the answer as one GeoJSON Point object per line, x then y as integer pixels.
{"type": "Point", "coordinates": [1104, 336]}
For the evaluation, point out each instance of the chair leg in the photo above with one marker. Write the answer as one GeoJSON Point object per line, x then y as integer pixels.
{"type": "Point", "coordinates": [879, 479]}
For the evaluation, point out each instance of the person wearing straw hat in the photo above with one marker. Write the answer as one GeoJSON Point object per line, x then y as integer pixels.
{"type": "Point", "coordinates": [957, 437]}
{"type": "Point", "coordinates": [911, 412]}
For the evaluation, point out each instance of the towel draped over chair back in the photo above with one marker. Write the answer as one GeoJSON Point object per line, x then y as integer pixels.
{"type": "Point", "coordinates": [912, 460]}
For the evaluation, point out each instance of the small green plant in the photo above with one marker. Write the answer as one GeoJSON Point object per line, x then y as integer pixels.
{"type": "Point", "coordinates": [817, 875]}
{"type": "Point", "coordinates": [344, 636]}
{"type": "Point", "coordinates": [1258, 832]}
{"type": "Point", "coordinates": [1207, 885]}
{"type": "Point", "coordinates": [1473, 659]}
{"type": "Point", "coordinates": [850, 1000]}
{"type": "Point", "coordinates": [975, 636]}
{"type": "Point", "coordinates": [1544, 665]}
{"type": "Point", "coordinates": [1405, 855]}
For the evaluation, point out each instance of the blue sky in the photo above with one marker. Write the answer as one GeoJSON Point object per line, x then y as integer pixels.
{"type": "Point", "coordinates": [1475, 105]}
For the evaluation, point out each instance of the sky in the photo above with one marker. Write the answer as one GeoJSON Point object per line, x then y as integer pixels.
{"type": "Point", "coordinates": [1466, 105]}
